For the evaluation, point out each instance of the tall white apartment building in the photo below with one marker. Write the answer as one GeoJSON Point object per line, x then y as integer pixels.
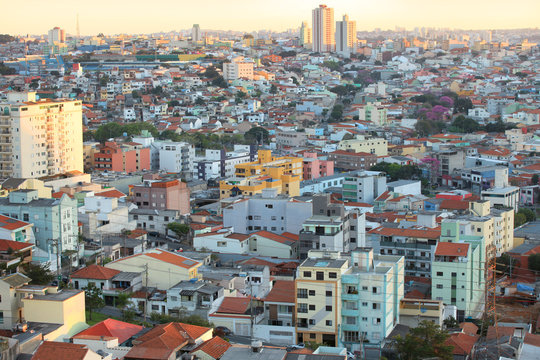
{"type": "Point", "coordinates": [196, 33]}
{"type": "Point", "coordinates": [345, 36]}
{"type": "Point", "coordinates": [40, 138]}
{"type": "Point", "coordinates": [323, 29]}
{"type": "Point", "coordinates": [238, 68]}
{"type": "Point", "coordinates": [176, 157]}
{"type": "Point", "coordinates": [57, 35]}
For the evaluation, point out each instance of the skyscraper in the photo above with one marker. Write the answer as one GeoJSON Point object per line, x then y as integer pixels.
{"type": "Point", "coordinates": [323, 29]}
{"type": "Point", "coordinates": [196, 33]}
{"type": "Point", "coordinates": [39, 138]}
{"type": "Point", "coordinates": [57, 35]}
{"type": "Point", "coordinates": [345, 36]}
{"type": "Point", "coordinates": [305, 35]}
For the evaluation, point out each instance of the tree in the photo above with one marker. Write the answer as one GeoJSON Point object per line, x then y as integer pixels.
{"type": "Point", "coordinates": [39, 273]}
{"type": "Point", "coordinates": [220, 82]}
{"type": "Point", "coordinates": [179, 229]}
{"type": "Point", "coordinates": [93, 297]}
{"type": "Point", "coordinates": [463, 124]}
{"type": "Point", "coordinates": [336, 113]}
{"type": "Point", "coordinates": [450, 323]}
{"type": "Point", "coordinates": [5, 38]}
{"type": "Point", "coordinates": [528, 213]}
{"type": "Point", "coordinates": [273, 89]}
{"type": "Point", "coordinates": [534, 262]}
{"type": "Point", "coordinates": [503, 264]}
{"type": "Point", "coordinates": [199, 101]}
{"type": "Point", "coordinates": [427, 340]}
{"type": "Point", "coordinates": [462, 105]}
{"type": "Point", "coordinates": [534, 179]}
{"type": "Point", "coordinates": [6, 70]}
{"type": "Point", "coordinates": [257, 135]}
{"type": "Point", "coordinates": [173, 103]}
{"type": "Point", "coordinates": [332, 65]}
{"type": "Point", "coordinates": [519, 219]}
{"type": "Point", "coordinates": [122, 300]}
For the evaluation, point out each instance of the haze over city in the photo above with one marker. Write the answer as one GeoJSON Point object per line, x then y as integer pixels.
{"type": "Point", "coordinates": [140, 16]}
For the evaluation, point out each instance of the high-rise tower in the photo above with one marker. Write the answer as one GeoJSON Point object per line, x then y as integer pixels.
{"type": "Point", "coordinates": [345, 36]}
{"type": "Point", "coordinates": [323, 29]}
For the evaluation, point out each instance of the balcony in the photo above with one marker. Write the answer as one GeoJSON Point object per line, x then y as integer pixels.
{"type": "Point", "coordinates": [352, 296]}
{"type": "Point", "coordinates": [116, 291]}
{"type": "Point", "coordinates": [411, 245]}
{"type": "Point", "coordinates": [349, 312]}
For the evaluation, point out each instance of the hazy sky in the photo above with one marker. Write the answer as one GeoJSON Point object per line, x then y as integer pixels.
{"type": "Point", "coordinates": [143, 16]}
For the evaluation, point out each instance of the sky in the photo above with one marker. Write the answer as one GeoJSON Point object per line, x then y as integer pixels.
{"type": "Point", "coordinates": [143, 16]}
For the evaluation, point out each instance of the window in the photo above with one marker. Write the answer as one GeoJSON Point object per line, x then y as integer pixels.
{"type": "Point", "coordinates": [328, 322]}
{"type": "Point", "coordinates": [364, 304]}
{"type": "Point", "coordinates": [376, 306]}
{"type": "Point", "coordinates": [311, 292]}
{"type": "Point", "coordinates": [439, 286]}
{"type": "Point", "coordinates": [311, 322]}
{"type": "Point", "coordinates": [350, 320]}
{"type": "Point", "coordinates": [302, 293]}
{"type": "Point", "coordinates": [155, 307]}
{"type": "Point", "coordinates": [350, 305]}
{"type": "Point", "coordinates": [320, 275]}
{"type": "Point", "coordinates": [174, 298]}
{"type": "Point", "coordinates": [1, 317]}
{"type": "Point", "coordinates": [302, 308]}
{"type": "Point", "coordinates": [312, 335]}
{"type": "Point", "coordinates": [332, 275]}
{"type": "Point", "coordinates": [374, 290]}
{"type": "Point", "coordinates": [311, 307]}
{"type": "Point", "coordinates": [364, 288]}
{"type": "Point", "coordinates": [328, 293]}
{"type": "Point", "coordinates": [328, 307]}
{"type": "Point", "coordinates": [439, 273]}
{"type": "Point", "coordinates": [307, 274]}
{"type": "Point", "coordinates": [351, 336]}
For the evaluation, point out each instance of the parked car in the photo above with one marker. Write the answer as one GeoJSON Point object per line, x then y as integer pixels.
{"type": "Point", "coordinates": [222, 331]}
{"type": "Point", "coordinates": [296, 347]}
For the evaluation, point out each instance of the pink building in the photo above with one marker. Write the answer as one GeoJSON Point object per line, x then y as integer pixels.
{"type": "Point", "coordinates": [126, 157]}
{"type": "Point", "coordinates": [162, 195]}
{"type": "Point", "coordinates": [315, 168]}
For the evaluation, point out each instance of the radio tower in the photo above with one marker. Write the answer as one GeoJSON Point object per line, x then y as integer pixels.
{"type": "Point", "coordinates": [78, 30]}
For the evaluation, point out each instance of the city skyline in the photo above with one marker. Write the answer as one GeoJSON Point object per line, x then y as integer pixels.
{"type": "Point", "coordinates": [252, 16]}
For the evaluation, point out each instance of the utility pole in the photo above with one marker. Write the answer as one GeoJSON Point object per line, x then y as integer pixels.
{"type": "Point", "coordinates": [251, 309]}
{"type": "Point", "coordinates": [146, 290]}
{"type": "Point", "coordinates": [54, 243]}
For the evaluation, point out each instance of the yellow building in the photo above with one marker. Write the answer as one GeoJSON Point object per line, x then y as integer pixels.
{"type": "Point", "coordinates": [495, 224]}
{"type": "Point", "coordinates": [282, 173]}
{"type": "Point", "coordinates": [13, 184]}
{"type": "Point", "coordinates": [318, 299]}
{"type": "Point", "coordinates": [377, 146]}
{"type": "Point", "coordinates": [161, 269]}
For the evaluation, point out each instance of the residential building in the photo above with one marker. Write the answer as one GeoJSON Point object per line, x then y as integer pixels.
{"type": "Point", "coordinates": [285, 139]}
{"type": "Point", "coordinates": [54, 220]}
{"type": "Point", "coordinates": [265, 243]}
{"type": "Point", "coordinates": [64, 351]}
{"type": "Point", "coordinates": [111, 282]}
{"type": "Point", "coordinates": [405, 187]}
{"type": "Point", "coordinates": [305, 35]}
{"type": "Point", "coordinates": [16, 230]}
{"type": "Point", "coordinates": [103, 215]}
{"type": "Point", "coordinates": [374, 113]}
{"type": "Point", "coordinates": [377, 146]}
{"type": "Point", "coordinates": [236, 313]}
{"type": "Point", "coordinates": [161, 269]}
{"type": "Point", "coordinates": [506, 197]}
{"type": "Point", "coordinates": [14, 184]}
{"type": "Point", "coordinates": [162, 195]}
{"type": "Point", "coordinates": [318, 286]}
{"type": "Point", "coordinates": [167, 341]}
{"type": "Point", "coordinates": [222, 242]}
{"type": "Point", "coordinates": [196, 35]}
{"type": "Point", "coordinates": [212, 349]}
{"type": "Point", "coordinates": [416, 242]}
{"type": "Point", "coordinates": [315, 168]}
{"type": "Point", "coordinates": [347, 160]}
{"type": "Point", "coordinates": [364, 187]}
{"type": "Point", "coordinates": [346, 36]}
{"type": "Point", "coordinates": [450, 161]}
{"type": "Point", "coordinates": [153, 220]}
{"type": "Point", "coordinates": [413, 311]}
{"type": "Point", "coordinates": [331, 228]}
{"type": "Point", "coordinates": [278, 325]}
{"type": "Point", "coordinates": [266, 211]}
{"type": "Point", "coordinates": [176, 157]}
{"type": "Point", "coordinates": [238, 68]}
{"type": "Point", "coordinates": [194, 297]}
{"type": "Point", "coordinates": [57, 35]}
{"type": "Point", "coordinates": [40, 137]}
{"type": "Point", "coordinates": [372, 289]}
{"type": "Point", "coordinates": [282, 173]}
{"type": "Point", "coordinates": [126, 157]}
{"type": "Point", "coordinates": [219, 163]}
{"type": "Point", "coordinates": [323, 29]}
{"type": "Point", "coordinates": [458, 273]}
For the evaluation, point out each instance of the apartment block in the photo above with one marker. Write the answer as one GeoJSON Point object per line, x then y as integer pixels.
{"type": "Point", "coordinates": [162, 195]}
{"type": "Point", "coordinates": [315, 168]}
{"type": "Point", "coordinates": [323, 29]}
{"type": "Point", "coordinates": [364, 187]}
{"type": "Point", "coordinates": [318, 304]}
{"type": "Point", "coordinates": [377, 146]}
{"type": "Point", "coordinates": [346, 36]}
{"type": "Point", "coordinates": [220, 163]}
{"type": "Point", "coordinates": [55, 220]}
{"type": "Point", "coordinates": [124, 157]}
{"type": "Point", "coordinates": [39, 137]}
{"type": "Point", "coordinates": [267, 211]}
{"type": "Point", "coordinates": [238, 68]}
{"type": "Point", "coordinates": [347, 160]}
{"type": "Point", "coordinates": [176, 157]}
{"type": "Point", "coordinates": [372, 289]}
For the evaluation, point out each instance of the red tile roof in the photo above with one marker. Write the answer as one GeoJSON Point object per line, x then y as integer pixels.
{"type": "Point", "coordinates": [451, 249]}
{"type": "Point", "coordinates": [282, 292]}
{"type": "Point", "coordinates": [462, 343]}
{"type": "Point", "coordinates": [215, 347]}
{"type": "Point", "coordinates": [278, 238]}
{"type": "Point", "coordinates": [11, 224]}
{"type": "Point", "coordinates": [454, 204]}
{"type": "Point", "coordinates": [234, 305]}
{"type": "Point", "coordinates": [110, 328]}
{"type": "Point", "coordinates": [95, 272]}
{"type": "Point", "coordinates": [111, 194]}
{"type": "Point", "coordinates": [5, 245]}
{"type": "Point", "coordinates": [51, 350]}
{"type": "Point", "coordinates": [468, 328]}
